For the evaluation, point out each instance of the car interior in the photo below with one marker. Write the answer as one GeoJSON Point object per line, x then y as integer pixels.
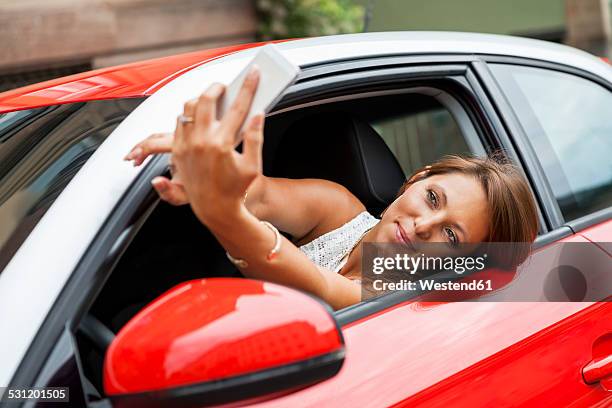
{"type": "Point", "coordinates": [369, 144]}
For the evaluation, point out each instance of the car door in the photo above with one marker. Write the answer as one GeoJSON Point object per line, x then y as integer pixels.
{"type": "Point", "coordinates": [556, 365]}
{"type": "Point", "coordinates": [565, 115]}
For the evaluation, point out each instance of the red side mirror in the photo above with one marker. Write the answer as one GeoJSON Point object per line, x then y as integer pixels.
{"type": "Point", "coordinates": [214, 341]}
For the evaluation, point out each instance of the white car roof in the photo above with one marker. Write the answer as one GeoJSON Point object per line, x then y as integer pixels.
{"type": "Point", "coordinates": [326, 49]}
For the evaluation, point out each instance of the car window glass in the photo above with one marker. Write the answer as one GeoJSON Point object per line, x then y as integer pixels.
{"type": "Point", "coordinates": [422, 137]}
{"type": "Point", "coordinates": [40, 151]}
{"type": "Point", "coordinates": [568, 122]}
{"type": "Point", "coordinates": [9, 119]}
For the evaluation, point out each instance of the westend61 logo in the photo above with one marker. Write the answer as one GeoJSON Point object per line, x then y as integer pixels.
{"type": "Point", "coordinates": [491, 271]}
{"type": "Point", "coordinates": [414, 264]}
{"type": "Point", "coordinates": [399, 266]}
{"type": "Point", "coordinates": [391, 267]}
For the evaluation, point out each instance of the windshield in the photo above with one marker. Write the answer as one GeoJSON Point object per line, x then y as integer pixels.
{"type": "Point", "coordinates": [40, 152]}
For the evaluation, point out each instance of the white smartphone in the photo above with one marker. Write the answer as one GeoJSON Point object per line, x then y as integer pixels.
{"type": "Point", "coordinates": [277, 73]}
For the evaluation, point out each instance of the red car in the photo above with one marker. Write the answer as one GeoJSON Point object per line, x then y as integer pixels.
{"type": "Point", "coordinates": [86, 246]}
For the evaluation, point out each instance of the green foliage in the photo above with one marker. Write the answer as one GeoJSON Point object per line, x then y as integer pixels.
{"type": "Point", "coordinates": [280, 19]}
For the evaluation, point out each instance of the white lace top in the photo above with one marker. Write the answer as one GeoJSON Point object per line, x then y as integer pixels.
{"type": "Point", "coordinates": [331, 250]}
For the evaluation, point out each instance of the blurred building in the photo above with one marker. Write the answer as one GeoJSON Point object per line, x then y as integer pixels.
{"type": "Point", "coordinates": [589, 25]}
{"type": "Point", "coordinates": [585, 24]}
{"type": "Point", "coordinates": [43, 39]}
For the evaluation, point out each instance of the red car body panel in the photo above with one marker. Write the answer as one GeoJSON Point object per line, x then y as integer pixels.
{"type": "Point", "coordinates": [130, 80]}
{"type": "Point", "coordinates": [601, 235]}
{"type": "Point", "coordinates": [428, 354]}
{"type": "Point", "coordinates": [542, 370]}
{"type": "Point", "coordinates": [467, 354]}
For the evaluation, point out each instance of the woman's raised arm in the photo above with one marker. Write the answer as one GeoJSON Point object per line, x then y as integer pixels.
{"type": "Point", "coordinates": [304, 208]}
{"type": "Point", "coordinates": [213, 178]}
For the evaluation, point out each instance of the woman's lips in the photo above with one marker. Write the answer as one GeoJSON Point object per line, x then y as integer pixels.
{"type": "Point", "coordinates": [402, 237]}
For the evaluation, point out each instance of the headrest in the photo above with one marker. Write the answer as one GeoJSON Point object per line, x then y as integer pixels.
{"type": "Point", "coordinates": [338, 147]}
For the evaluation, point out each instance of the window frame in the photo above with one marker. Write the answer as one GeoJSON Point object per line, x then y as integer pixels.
{"type": "Point", "coordinates": [496, 131]}
{"type": "Point", "coordinates": [355, 79]}
{"type": "Point", "coordinates": [493, 130]}
{"type": "Point", "coordinates": [552, 211]}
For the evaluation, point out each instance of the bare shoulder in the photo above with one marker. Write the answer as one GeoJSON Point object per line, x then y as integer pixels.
{"type": "Point", "coordinates": [304, 208]}
{"type": "Point", "coordinates": [337, 206]}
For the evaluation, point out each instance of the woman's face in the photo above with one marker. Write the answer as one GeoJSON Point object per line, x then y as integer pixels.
{"type": "Point", "coordinates": [449, 208]}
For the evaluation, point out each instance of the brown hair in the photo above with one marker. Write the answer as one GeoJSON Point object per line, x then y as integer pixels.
{"type": "Point", "coordinates": [511, 205]}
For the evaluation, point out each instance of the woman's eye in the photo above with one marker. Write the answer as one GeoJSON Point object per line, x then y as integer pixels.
{"type": "Point", "coordinates": [433, 198]}
{"type": "Point", "coordinates": [451, 236]}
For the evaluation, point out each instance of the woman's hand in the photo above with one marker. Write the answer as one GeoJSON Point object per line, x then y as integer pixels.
{"type": "Point", "coordinates": [172, 190]}
{"type": "Point", "coordinates": [214, 175]}
{"type": "Point", "coordinates": [169, 190]}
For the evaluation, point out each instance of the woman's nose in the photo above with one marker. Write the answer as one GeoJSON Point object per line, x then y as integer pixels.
{"type": "Point", "coordinates": [424, 226]}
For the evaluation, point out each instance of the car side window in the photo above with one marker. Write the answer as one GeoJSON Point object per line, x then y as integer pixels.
{"type": "Point", "coordinates": [418, 138]}
{"type": "Point", "coordinates": [568, 122]}
{"type": "Point", "coordinates": [41, 150]}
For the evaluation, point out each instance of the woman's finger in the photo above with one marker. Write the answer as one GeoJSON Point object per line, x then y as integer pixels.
{"type": "Point", "coordinates": [206, 108]}
{"type": "Point", "coordinates": [185, 122]}
{"type": "Point", "coordinates": [234, 118]}
{"type": "Point", "coordinates": [154, 144]}
{"type": "Point", "coordinates": [170, 192]}
{"type": "Point", "coordinates": [253, 141]}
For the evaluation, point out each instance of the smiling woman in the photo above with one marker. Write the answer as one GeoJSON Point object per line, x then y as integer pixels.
{"type": "Point", "coordinates": [491, 197]}
{"type": "Point", "coordinates": [455, 200]}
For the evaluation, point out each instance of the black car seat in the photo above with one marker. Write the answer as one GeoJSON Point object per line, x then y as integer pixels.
{"type": "Point", "coordinates": [339, 147]}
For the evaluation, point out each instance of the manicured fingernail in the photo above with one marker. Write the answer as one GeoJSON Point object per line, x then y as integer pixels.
{"type": "Point", "coordinates": [134, 154]}
{"type": "Point", "coordinates": [258, 121]}
{"type": "Point", "coordinates": [254, 73]}
{"type": "Point", "coordinates": [158, 184]}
